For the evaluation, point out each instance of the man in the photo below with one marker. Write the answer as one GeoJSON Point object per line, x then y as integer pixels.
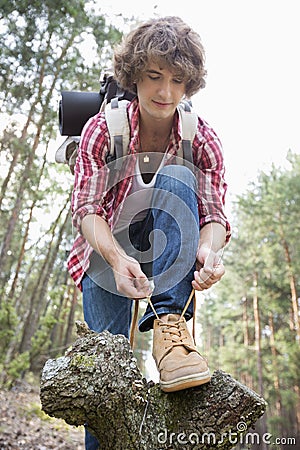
{"type": "Point", "coordinates": [156, 219]}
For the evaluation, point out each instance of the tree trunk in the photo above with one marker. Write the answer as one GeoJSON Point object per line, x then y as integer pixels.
{"type": "Point", "coordinates": [276, 379]}
{"type": "Point", "coordinates": [292, 281]}
{"type": "Point", "coordinates": [13, 220]}
{"type": "Point", "coordinates": [38, 298]}
{"type": "Point", "coordinates": [98, 382]}
{"type": "Point", "coordinates": [26, 232]}
{"type": "Point", "coordinates": [247, 377]}
{"type": "Point", "coordinates": [257, 327]}
{"type": "Point", "coordinates": [16, 150]}
{"type": "Point", "coordinates": [71, 315]}
{"type": "Point", "coordinates": [297, 409]}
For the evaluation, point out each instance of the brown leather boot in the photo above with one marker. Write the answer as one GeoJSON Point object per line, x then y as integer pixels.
{"type": "Point", "coordinates": [179, 363]}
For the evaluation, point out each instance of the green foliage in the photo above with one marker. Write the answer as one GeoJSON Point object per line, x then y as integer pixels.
{"type": "Point", "coordinates": [41, 338]}
{"type": "Point", "coordinates": [8, 325]}
{"type": "Point", "coordinates": [15, 369]}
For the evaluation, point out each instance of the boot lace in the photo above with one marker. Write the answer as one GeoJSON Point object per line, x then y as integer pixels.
{"type": "Point", "coordinates": [174, 332]}
{"type": "Point", "coordinates": [174, 325]}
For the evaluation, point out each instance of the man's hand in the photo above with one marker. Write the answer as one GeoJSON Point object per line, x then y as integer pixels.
{"type": "Point", "coordinates": [130, 279]}
{"type": "Point", "coordinates": [209, 269]}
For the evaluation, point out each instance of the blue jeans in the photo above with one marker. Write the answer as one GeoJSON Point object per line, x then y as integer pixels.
{"type": "Point", "coordinates": [165, 243]}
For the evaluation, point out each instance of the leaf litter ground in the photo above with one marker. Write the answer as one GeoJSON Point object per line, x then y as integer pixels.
{"type": "Point", "coordinates": [23, 426]}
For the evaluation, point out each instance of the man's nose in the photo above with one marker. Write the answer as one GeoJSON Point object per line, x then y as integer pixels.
{"type": "Point", "coordinates": [165, 89]}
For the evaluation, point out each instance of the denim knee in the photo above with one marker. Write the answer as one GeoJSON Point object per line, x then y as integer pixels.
{"type": "Point", "coordinates": [170, 175]}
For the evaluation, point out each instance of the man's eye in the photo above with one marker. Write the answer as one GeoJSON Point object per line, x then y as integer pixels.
{"type": "Point", "coordinates": [153, 77]}
{"type": "Point", "coordinates": [178, 80]}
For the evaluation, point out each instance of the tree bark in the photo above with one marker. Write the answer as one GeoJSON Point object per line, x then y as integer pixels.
{"type": "Point", "coordinates": [38, 298]}
{"type": "Point", "coordinates": [70, 321]}
{"type": "Point", "coordinates": [292, 280]}
{"type": "Point", "coordinates": [257, 326]}
{"type": "Point", "coordinates": [26, 231]}
{"type": "Point", "coordinates": [98, 382]}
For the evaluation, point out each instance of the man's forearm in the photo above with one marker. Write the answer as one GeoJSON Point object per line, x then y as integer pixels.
{"type": "Point", "coordinates": [209, 266]}
{"type": "Point", "coordinates": [97, 232]}
{"type": "Point", "coordinates": [213, 236]}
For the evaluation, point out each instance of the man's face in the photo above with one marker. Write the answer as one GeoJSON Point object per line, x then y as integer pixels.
{"type": "Point", "coordinates": [159, 91]}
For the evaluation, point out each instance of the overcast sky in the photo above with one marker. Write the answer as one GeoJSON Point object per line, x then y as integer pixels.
{"type": "Point", "coordinates": [252, 95]}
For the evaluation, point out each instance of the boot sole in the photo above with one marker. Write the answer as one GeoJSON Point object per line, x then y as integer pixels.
{"type": "Point", "coordinates": [185, 382]}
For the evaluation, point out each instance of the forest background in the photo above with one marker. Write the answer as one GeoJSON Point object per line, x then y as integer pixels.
{"type": "Point", "coordinates": [248, 325]}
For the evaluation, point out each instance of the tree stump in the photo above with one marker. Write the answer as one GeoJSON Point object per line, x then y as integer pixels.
{"type": "Point", "coordinates": [98, 382]}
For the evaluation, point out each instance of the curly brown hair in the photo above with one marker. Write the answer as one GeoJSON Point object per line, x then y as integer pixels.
{"type": "Point", "coordinates": [168, 40]}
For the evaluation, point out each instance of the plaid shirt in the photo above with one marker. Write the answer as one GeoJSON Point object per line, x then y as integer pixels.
{"type": "Point", "coordinates": [94, 193]}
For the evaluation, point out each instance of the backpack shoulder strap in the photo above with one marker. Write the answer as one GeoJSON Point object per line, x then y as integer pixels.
{"type": "Point", "coordinates": [119, 131]}
{"type": "Point", "coordinates": [189, 123]}
{"type": "Point", "coordinates": [118, 128]}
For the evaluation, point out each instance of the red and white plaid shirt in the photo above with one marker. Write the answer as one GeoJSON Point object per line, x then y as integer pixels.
{"type": "Point", "coordinates": [92, 193]}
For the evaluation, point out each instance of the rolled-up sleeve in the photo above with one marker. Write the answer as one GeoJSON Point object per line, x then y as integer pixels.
{"type": "Point", "coordinates": [91, 173]}
{"type": "Point", "coordinates": [210, 173]}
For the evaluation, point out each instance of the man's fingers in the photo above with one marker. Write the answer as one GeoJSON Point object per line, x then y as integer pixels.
{"type": "Point", "coordinates": [143, 285]}
{"type": "Point", "coordinates": [219, 271]}
{"type": "Point", "coordinates": [133, 287]}
{"type": "Point", "coordinates": [201, 283]}
{"type": "Point", "coordinates": [133, 283]}
{"type": "Point", "coordinates": [206, 277]}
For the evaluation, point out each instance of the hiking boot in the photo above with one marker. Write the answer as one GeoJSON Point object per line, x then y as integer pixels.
{"type": "Point", "coordinates": [179, 363]}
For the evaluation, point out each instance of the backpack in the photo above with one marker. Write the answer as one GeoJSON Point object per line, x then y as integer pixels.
{"type": "Point", "coordinates": [75, 108]}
